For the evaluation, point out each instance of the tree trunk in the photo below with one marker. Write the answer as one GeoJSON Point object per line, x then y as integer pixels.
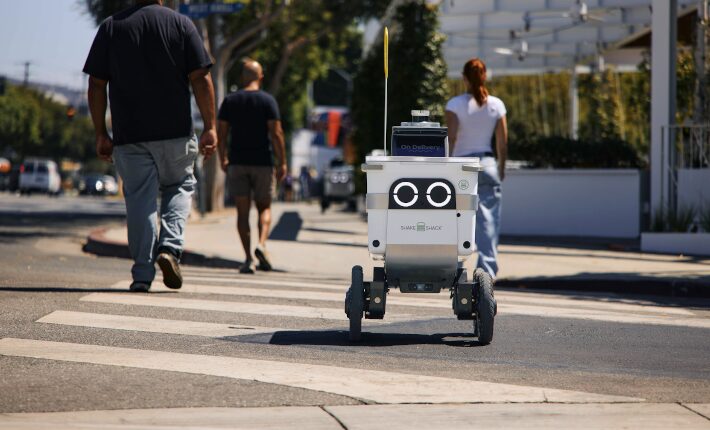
{"type": "Point", "coordinates": [222, 51]}
{"type": "Point", "coordinates": [214, 177]}
{"type": "Point", "coordinates": [701, 95]}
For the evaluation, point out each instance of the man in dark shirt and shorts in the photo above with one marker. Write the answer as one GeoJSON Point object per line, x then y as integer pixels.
{"type": "Point", "coordinates": [149, 56]}
{"type": "Point", "coordinates": [253, 116]}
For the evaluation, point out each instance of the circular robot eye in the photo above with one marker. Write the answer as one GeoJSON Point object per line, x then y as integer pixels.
{"type": "Point", "coordinates": [438, 194]}
{"type": "Point", "coordinates": [405, 194]}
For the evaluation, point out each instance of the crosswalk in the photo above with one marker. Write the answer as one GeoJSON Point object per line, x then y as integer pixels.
{"type": "Point", "coordinates": [304, 300]}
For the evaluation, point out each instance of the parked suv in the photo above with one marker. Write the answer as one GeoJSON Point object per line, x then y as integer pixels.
{"type": "Point", "coordinates": [39, 175]}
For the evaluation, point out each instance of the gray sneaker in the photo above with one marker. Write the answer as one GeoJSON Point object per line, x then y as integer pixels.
{"type": "Point", "coordinates": [139, 287]}
{"type": "Point", "coordinates": [247, 267]}
{"type": "Point", "coordinates": [172, 278]}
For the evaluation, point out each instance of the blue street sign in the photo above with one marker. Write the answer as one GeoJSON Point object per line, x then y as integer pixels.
{"type": "Point", "coordinates": [197, 11]}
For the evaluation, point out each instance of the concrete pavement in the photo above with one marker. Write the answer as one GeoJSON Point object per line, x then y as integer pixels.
{"type": "Point", "coordinates": [304, 241]}
{"type": "Point", "coordinates": [270, 350]}
{"type": "Point", "coordinates": [368, 417]}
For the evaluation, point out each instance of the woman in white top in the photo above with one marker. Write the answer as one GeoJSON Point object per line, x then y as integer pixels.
{"type": "Point", "coordinates": [473, 119]}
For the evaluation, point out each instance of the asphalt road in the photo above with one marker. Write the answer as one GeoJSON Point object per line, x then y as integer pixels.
{"type": "Point", "coordinates": [661, 357]}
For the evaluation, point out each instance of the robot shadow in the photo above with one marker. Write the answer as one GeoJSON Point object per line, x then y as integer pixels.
{"type": "Point", "coordinates": [371, 339]}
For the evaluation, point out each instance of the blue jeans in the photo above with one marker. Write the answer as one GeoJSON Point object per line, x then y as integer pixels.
{"type": "Point", "coordinates": [150, 169]}
{"type": "Point", "coordinates": [488, 215]}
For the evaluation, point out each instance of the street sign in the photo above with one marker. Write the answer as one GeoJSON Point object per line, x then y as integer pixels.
{"type": "Point", "coordinates": [197, 11]}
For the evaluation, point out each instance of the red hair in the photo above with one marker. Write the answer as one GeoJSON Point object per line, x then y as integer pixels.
{"type": "Point", "coordinates": [475, 72]}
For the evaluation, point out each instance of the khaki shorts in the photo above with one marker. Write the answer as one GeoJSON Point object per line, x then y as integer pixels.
{"type": "Point", "coordinates": [251, 181]}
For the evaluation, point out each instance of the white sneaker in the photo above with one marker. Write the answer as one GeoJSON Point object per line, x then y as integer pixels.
{"type": "Point", "coordinates": [247, 267]}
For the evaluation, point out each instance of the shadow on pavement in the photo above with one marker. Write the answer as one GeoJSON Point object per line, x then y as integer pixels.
{"type": "Point", "coordinates": [634, 285]}
{"type": "Point", "coordinates": [60, 290]}
{"type": "Point", "coordinates": [330, 231]}
{"type": "Point", "coordinates": [288, 227]}
{"type": "Point", "coordinates": [373, 339]}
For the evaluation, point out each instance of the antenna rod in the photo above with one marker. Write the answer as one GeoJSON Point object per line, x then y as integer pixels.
{"type": "Point", "coordinates": [387, 42]}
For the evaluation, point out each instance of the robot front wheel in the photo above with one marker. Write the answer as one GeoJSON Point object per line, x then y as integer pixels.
{"type": "Point", "coordinates": [355, 304]}
{"type": "Point", "coordinates": [486, 307]}
{"type": "Point", "coordinates": [474, 300]}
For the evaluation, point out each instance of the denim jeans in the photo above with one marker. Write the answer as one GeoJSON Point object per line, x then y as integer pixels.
{"type": "Point", "coordinates": [488, 215]}
{"type": "Point", "coordinates": [151, 169]}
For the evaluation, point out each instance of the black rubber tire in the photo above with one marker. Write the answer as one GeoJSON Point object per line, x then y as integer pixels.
{"type": "Point", "coordinates": [378, 274]}
{"type": "Point", "coordinates": [486, 306]}
{"type": "Point", "coordinates": [357, 304]}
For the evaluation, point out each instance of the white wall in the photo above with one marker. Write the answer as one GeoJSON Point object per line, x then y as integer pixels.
{"type": "Point", "coordinates": [572, 202]}
{"type": "Point", "coordinates": [694, 187]}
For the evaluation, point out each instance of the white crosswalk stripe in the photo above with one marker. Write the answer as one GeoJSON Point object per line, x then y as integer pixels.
{"type": "Point", "coordinates": [509, 303]}
{"type": "Point", "coordinates": [152, 325]}
{"type": "Point", "coordinates": [282, 283]}
{"type": "Point", "coordinates": [329, 313]}
{"type": "Point", "coordinates": [214, 305]}
{"type": "Point", "coordinates": [315, 300]}
{"type": "Point", "coordinates": [370, 385]}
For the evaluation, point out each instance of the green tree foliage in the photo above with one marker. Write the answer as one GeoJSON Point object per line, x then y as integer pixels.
{"type": "Point", "coordinates": [33, 125]}
{"type": "Point", "coordinates": [614, 107]}
{"type": "Point", "coordinates": [19, 121]}
{"type": "Point", "coordinates": [600, 107]}
{"type": "Point", "coordinates": [308, 39]}
{"type": "Point", "coordinates": [561, 152]}
{"type": "Point", "coordinates": [417, 76]}
{"type": "Point", "coordinates": [298, 46]}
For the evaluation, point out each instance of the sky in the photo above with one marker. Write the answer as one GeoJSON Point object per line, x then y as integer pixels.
{"type": "Point", "coordinates": [55, 35]}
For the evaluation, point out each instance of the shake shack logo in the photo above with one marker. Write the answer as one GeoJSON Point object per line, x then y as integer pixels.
{"type": "Point", "coordinates": [420, 226]}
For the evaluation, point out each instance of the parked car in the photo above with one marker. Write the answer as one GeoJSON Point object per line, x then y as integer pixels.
{"type": "Point", "coordinates": [39, 175]}
{"type": "Point", "coordinates": [98, 184]}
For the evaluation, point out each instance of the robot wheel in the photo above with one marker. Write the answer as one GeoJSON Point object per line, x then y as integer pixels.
{"type": "Point", "coordinates": [486, 307]}
{"type": "Point", "coordinates": [355, 304]}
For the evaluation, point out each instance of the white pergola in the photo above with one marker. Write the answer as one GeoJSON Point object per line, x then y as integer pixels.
{"type": "Point", "coordinates": [553, 35]}
{"type": "Point", "coordinates": [558, 33]}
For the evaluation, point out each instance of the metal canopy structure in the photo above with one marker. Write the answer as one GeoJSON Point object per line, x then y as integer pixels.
{"type": "Point", "coordinates": [534, 36]}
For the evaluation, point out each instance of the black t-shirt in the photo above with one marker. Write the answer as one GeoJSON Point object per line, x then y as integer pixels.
{"type": "Point", "coordinates": [146, 53]}
{"type": "Point", "coordinates": [248, 113]}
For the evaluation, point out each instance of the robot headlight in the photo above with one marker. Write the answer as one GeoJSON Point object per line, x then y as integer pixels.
{"type": "Point", "coordinates": [339, 178]}
{"type": "Point", "coordinates": [422, 193]}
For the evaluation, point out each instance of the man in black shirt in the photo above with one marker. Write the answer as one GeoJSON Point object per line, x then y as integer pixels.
{"type": "Point", "coordinates": [149, 56]}
{"type": "Point", "coordinates": [253, 116]}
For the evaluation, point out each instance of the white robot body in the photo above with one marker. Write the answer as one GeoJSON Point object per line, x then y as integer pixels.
{"type": "Point", "coordinates": [421, 217]}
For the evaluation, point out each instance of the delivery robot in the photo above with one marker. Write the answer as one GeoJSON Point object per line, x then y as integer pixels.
{"type": "Point", "coordinates": [421, 215]}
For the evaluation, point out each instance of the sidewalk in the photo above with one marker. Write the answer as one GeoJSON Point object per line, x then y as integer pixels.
{"type": "Point", "coordinates": [326, 246]}
{"type": "Point", "coordinates": [390, 417]}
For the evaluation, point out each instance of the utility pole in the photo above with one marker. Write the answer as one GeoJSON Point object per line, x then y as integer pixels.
{"type": "Point", "coordinates": [701, 35]}
{"type": "Point", "coordinates": [26, 80]}
{"type": "Point", "coordinates": [573, 104]}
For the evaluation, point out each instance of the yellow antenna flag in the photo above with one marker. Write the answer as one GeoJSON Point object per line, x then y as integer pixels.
{"type": "Point", "coordinates": [387, 72]}
{"type": "Point", "coordinates": [387, 54]}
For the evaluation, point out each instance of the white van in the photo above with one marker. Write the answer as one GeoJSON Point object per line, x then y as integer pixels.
{"type": "Point", "coordinates": [40, 175]}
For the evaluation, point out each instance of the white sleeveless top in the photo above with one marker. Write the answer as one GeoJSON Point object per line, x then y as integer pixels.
{"type": "Point", "coordinates": [476, 123]}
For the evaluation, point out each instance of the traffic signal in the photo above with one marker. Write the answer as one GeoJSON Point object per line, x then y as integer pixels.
{"type": "Point", "coordinates": [71, 112]}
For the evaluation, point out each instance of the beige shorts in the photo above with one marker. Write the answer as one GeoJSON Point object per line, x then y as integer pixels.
{"type": "Point", "coordinates": [251, 181]}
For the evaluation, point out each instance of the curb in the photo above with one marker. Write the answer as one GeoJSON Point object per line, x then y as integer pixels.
{"type": "Point", "coordinates": [677, 288]}
{"type": "Point", "coordinates": [98, 244]}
